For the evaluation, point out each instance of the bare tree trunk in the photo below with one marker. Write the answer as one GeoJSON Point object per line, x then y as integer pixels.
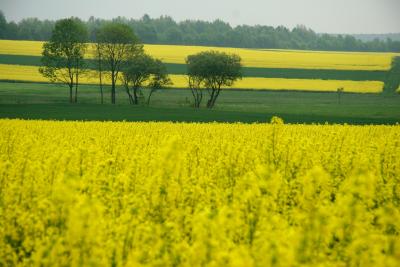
{"type": "Point", "coordinates": [112, 87]}
{"type": "Point", "coordinates": [148, 99]}
{"type": "Point", "coordinates": [199, 97]}
{"type": "Point", "coordinates": [101, 90]}
{"type": "Point", "coordinates": [126, 85]}
{"type": "Point", "coordinates": [101, 82]}
{"type": "Point", "coordinates": [135, 95]}
{"type": "Point", "coordinates": [215, 97]}
{"type": "Point", "coordinates": [130, 96]}
{"type": "Point", "coordinates": [195, 97]}
{"type": "Point", "coordinates": [76, 88]}
{"type": "Point", "coordinates": [99, 62]}
{"type": "Point", "coordinates": [70, 92]}
{"type": "Point", "coordinates": [194, 84]}
{"type": "Point", "coordinates": [210, 101]}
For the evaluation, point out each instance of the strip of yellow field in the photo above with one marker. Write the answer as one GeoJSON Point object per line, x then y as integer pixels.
{"type": "Point", "coordinates": [31, 73]}
{"type": "Point", "coordinates": [180, 81]}
{"type": "Point", "coordinates": [251, 57]}
{"type": "Point", "coordinates": [282, 59]}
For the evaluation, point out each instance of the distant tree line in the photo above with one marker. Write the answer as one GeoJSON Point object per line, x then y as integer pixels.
{"type": "Point", "coordinates": [120, 57]}
{"type": "Point", "coordinates": [164, 30]}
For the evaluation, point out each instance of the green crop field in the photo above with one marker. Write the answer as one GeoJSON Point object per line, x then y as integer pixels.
{"type": "Point", "coordinates": [48, 101]}
{"type": "Point", "coordinates": [173, 68]}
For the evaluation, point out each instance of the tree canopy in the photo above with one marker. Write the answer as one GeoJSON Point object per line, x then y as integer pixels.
{"type": "Point", "coordinates": [392, 82]}
{"type": "Point", "coordinates": [63, 56]}
{"type": "Point", "coordinates": [144, 70]}
{"type": "Point", "coordinates": [3, 26]}
{"type": "Point", "coordinates": [213, 70]}
{"type": "Point", "coordinates": [116, 44]}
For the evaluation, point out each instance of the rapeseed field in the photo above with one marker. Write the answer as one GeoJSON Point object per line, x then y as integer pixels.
{"type": "Point", "coordinates": [186, 194]}
{"type": "Point", "coordinates": [31, 74]}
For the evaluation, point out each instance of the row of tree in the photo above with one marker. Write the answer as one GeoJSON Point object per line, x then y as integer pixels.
{"type": "Point", "coordinates": [119, 56]}
{"type": "Point", "coordinates": [164, 30]}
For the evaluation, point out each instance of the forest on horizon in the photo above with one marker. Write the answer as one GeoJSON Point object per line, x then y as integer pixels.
{"type": "Point", "coordinates": [165, 30]}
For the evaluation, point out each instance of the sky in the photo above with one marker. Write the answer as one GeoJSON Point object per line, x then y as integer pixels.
{"type": "Point", "coordinates": [323, 16]}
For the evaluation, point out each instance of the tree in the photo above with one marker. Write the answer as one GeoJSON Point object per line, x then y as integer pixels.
{"type": "Point", "coordinates": [195, 79]}
{"type": "Point", "coordinates": [159, 80]}
{"type": "Point", "coordinates": [213, 70]}
{"type": "Point", "coordinates": [63, 56]}
{"type": "Point", "coordinates": [117, 44]}
{"type": "Point", "coordinates": [12, 31]}
{"type": "Point", "coordinates": [140, 71]}
{"type": "Point", "coordinates": [392, 81]}
{"type": "Point", "coordinates": [35, 29]}
{"type": "Point", "coordinates": [3, 26]}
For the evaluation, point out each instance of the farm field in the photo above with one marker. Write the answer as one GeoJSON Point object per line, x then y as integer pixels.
{"type": "Point", "coordinates": [31, 74]}
{"type": "Point", "coordinates": [176, 194]}
{"type": "Point", "coordinates": [263, 69]}
{"type": "Point", "coordinates": [48, 101]}
{"type": "Point", "coordinates": [174, 68]}
{"type": "Point", "coordinates": [204, 137]}
{"type": "Point", "coordinates": [251, 57]}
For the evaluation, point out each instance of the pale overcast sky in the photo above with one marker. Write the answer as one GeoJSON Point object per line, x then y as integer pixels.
{"type": "Point", "coordinates": [331, 16]}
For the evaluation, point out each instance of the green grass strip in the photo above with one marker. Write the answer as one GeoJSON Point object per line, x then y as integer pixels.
{"type": "Point", "coordinates": [324, 74]}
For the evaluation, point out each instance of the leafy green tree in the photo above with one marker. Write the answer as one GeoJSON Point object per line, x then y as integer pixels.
{"type": "Point", "coordinates": [135, 73]}
{"type": "Point", "coordinates": [213, 70]}
{"type": "Point", "coordinates": [140, 71]}
{"type": "Point", "coordinates": [117, 44]}
{"type": "Point", "coordinates": [172, 36]}
{"type": "Point", "coordinates": [35, 29]}
{"type": "Point", "coordinates": [63, 56]}
{"type": "Point", "coordinates": [145, 30]}
{"type": "Point", "coordinates": [3, 25]}
{"type": "Point", "coordinates": [392, 82]}
{"type": "Point", "coordinates": [12, 31]}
